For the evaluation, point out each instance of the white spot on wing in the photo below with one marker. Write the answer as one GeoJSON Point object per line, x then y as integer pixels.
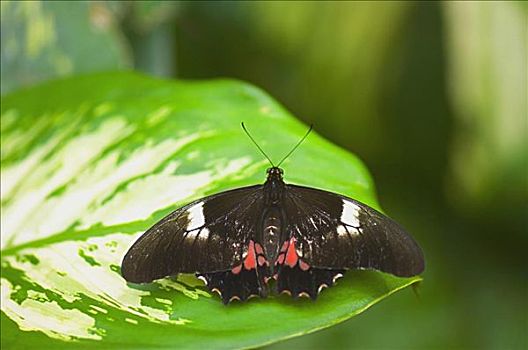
{"type": "Point", "coordinates": [336, 277]}
{"type": "Point", "coordinates": [205, 233]}
{"type": "Point", "coordinates": [354, 231]}
{"type": "Point", "coordinates": [196, 217]}
{"type": "Point", "coordinates": [192, 234]}
{"type": "Point", "coordinates": [350, 214]}
{"type": "Point", "coordinates": [200, 234]}
{"type": "Point", "coordinates": [341, 230]}
{"type": "Point", "coordinates": [321, 287]}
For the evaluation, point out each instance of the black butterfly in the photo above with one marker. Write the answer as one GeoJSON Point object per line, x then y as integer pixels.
{"type": "Point", "coordinates": [303, 238]}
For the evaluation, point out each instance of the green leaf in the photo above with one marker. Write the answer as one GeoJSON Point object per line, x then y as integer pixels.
{"type": "Point", "coordinates": [89, 163]}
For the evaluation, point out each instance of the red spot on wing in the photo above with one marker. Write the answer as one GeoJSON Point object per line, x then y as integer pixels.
{"type": "Point", "coordinates": [258, 249]}
{"type": "Point", "coordinates": [261, 260]}
{"type": "Point", "coordinates": [236, 270]}
{"type": "Point", "coordinates": [291, 254]}
{"type": "Point", "coordinates": [250, 262]}
{"type": "Point", "coordinates": [280, 259]}
{"type": "Point", "coordinates": [304, 266]}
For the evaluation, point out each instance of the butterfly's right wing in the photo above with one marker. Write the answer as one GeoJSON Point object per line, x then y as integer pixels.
{"type": "Point", "coordinates": [339, 232]}
{"type": "Point", "coordinates": [329, 233]}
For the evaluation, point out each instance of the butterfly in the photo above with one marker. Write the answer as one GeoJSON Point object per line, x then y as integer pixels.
{"type": "Point", "coordinates": [294, 239]}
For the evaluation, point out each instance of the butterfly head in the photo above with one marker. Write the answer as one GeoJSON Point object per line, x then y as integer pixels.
{"type": "Point", "coordinates": [274, 186]}
{"type": "Point", "coordinates": [275, 172]}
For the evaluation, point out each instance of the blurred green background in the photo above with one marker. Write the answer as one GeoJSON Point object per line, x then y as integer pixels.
{"type": "Point", "coordinates": [432, 96]}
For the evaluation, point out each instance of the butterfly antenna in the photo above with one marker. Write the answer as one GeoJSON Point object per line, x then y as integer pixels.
{"type": "Point", "coordinates": [297, 145]}
{"type": "Point", "coordinates": [256, 144]}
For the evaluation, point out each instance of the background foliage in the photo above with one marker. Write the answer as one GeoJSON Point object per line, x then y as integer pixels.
{"type": "Point", "coordinates": [432, 96]}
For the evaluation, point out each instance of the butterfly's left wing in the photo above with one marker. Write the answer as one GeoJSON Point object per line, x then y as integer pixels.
{"type": "Point", "coordinates": [329, 233]}
{"type": "Point", "coordinates": [214, 237]}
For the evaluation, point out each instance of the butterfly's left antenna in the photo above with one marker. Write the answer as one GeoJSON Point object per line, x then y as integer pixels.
{"type": "Point", "coordinates": [297, 145]}
{"type": "Point", "coordinates": [256, 144]}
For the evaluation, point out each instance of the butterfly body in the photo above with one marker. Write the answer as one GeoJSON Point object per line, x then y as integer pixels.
{"type": "Point", "coordinates": [302, 238]}
{"type": "Point", "coordinates": [272, 233]}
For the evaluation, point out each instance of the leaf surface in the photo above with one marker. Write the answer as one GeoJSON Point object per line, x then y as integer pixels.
{"type": "Point", "coordinates": [89, 163]}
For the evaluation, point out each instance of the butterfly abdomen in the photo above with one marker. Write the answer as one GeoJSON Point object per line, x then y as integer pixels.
{"type": "Point", "coordinates": [271, 233]}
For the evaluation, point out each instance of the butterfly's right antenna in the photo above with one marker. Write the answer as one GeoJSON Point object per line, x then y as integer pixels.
{"type": "Point", "coordinates": [297, 145]}
{"type": "Point", "coordinates": [256, 144]}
